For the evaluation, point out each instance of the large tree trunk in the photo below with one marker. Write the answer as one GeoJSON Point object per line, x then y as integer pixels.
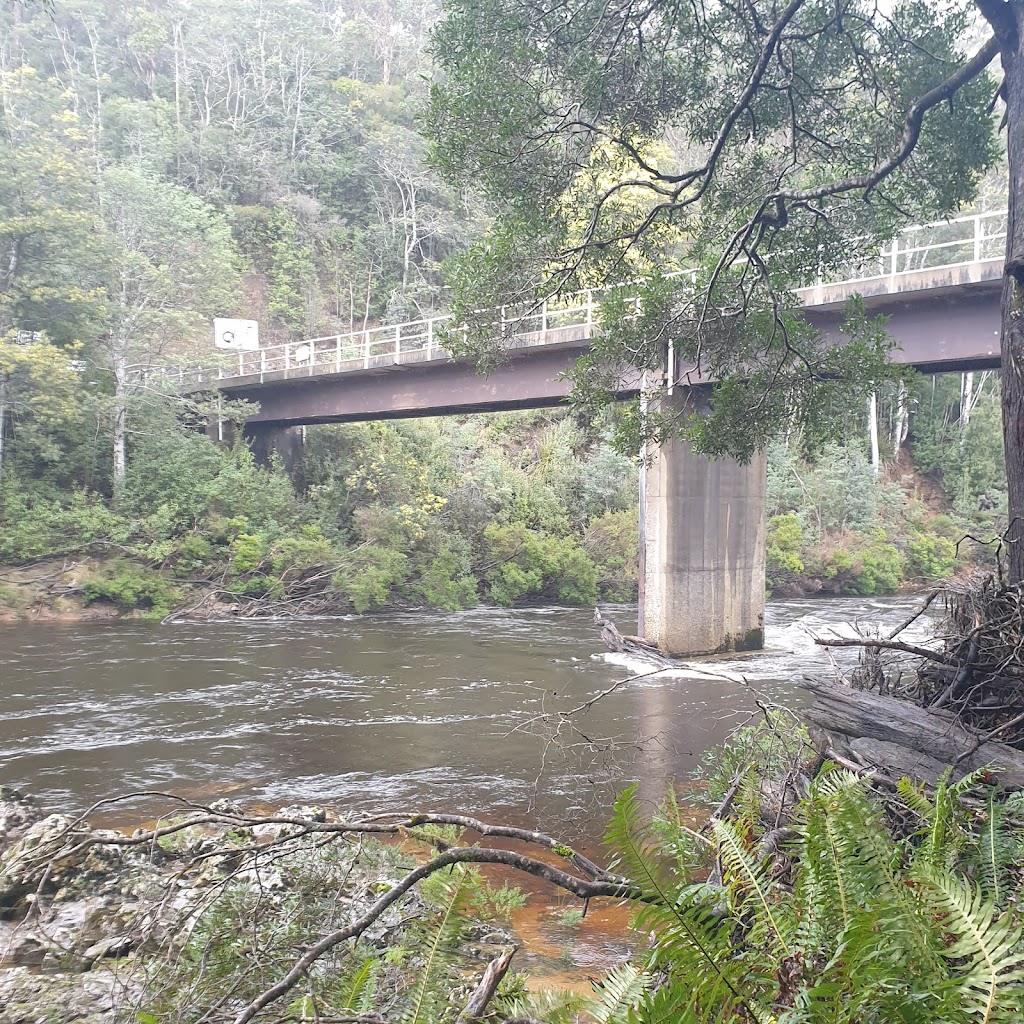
{"type": "Point", "coordinates": [1012, 349]}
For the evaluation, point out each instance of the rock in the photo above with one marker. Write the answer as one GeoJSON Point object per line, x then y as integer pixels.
{"type": "Point", "coordinates": [55, 856]}
{"type": "Point", "coordinates": [225, 806]}
{"type": "Point", "coordinates": [308, 812]}
{"type": "Point", "coordinates": [17, 813]}
{"type": "Point", "coordinates": [28, 997]}
{"type": "Point", "coordinates": [115, 945]}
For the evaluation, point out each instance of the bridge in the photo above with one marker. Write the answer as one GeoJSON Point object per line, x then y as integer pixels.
{"type": "Point", "coordinates": [702, 522]}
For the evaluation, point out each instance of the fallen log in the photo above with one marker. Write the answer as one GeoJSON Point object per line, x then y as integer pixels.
{"type": "Point", "coordinates": [624, 643]}
{"type": "Point", "coordinates": [905, 738]}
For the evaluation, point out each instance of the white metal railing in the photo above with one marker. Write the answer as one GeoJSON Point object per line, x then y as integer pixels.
{"type": "Point", "coordinates": [944, 244]}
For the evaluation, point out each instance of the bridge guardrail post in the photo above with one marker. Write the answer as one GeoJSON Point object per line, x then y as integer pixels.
{"type": "Point", "coordinates": [287, 357]}
{"type": "Point", "coordinates": [894, 257]}
{"type": "Point", "coordinates": [398, 343]}
{"type": "Point", "coordinates": [430, 338]}
{"type": "Point", "coordinates": [263, 363]}
{"type": "Point", "coordinates": [337, 353]}
{"type": "Point", "coordinates": [977, 238]}
{"type": "Point", "coordinates": [590, 313]}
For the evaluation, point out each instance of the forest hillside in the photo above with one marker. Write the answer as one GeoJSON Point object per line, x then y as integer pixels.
{"type": "Point", "coordinates": [167, 163]}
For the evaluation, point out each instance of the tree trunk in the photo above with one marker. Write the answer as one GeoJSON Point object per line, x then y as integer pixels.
{"type": "Point", "coordinates": [120, 418]}
{"type": "Point", "coordinates": [3, 417]}
{"type": "Point", "coordinates": [899, 433]}
{"type": "Point", "coordinates": [873, 430]}
{"type": "Point", "coordinates": [911, 740]}
{"type": "Point", "coordinates": [1012, 347]}
{"type": "Point", "coordinates": [966, 405]}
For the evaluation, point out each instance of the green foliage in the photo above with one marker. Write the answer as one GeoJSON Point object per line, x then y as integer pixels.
{"type": "Point", "coordinates": [524, 564]}
{"type": "Point", "coordinates": [447, 582]}
{"type": "Point", "coordinates": [784, 543]}
{"type": "Point", "coordinates": [862, 925]}
{"type": "Point", "coordinates": [613, 544]}
{"type": "Point", "coordinates": [291, 271]}
{"type": "Point", "coordinates": [370, 574]}
{"type": "Point", "coordinates": [615, 197]}
{"type": "Point", "coordinates": [931, 557]}
{"type": "Point", "coordinates": [866, 568]}
{"type": "Point", "coordinates": [37, 527]}
{"type": "Point", "coordinates": [965, 456]}
{"type": "Point", "coordinates": [767, 748]}
{"type": "Point", "coordinates": [131, 587]}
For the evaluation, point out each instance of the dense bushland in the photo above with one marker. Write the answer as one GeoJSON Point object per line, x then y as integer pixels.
{"type": "Point", "coordinates": [508, 508]}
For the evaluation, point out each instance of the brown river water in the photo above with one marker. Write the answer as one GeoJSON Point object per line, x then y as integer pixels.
{"type": "Point", "coordinates": [400, 712]}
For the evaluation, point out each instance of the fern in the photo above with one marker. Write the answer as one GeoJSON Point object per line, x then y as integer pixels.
{"type": "Point", "coordinates": [695, 943]}
{"type": "Point", "coordinates": [986, 955]}
{"type": "Point", "coordinates": [619, 992]}
{"type": "Point", "coordinates": [750, 874]}
{"type": "Point", "coordinates": [426, 994]}
{"type": "Point", "coordinates": [360, 987]}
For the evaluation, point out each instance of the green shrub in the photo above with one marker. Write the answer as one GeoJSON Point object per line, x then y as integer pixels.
{"type": "Point", "coordinates": [931, 558]}
{"type": "Point", "coordinates": [35, 527]}
{"type": "Point", "coordinates": [248, 551]}
{"type": "Point", "coordinates": [131, 587]}
{"type": "Point", "coordinates": [784, 543]}
{"type": "Point", "coordinates": [613, 544]}
{"type": "Point", "coordinates": [526, 565]}
{"type": "Point", "coordinates": [192, 552]}
{"type": "Point", "coordinates": [874, 567]}
{"type": "Point", "coordinates": [447, 582]}
{"type": "Point", "coordinates": [370, 575]}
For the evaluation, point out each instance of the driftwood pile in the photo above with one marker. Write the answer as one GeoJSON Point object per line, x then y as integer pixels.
{"type": "Point", "coordinates": [915, 710]}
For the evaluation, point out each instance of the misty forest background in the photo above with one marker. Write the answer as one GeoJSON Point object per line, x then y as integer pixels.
{"type": "Point", "coordinates": [168, 163]}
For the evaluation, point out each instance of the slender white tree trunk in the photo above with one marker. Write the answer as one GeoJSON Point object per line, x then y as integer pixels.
{"type": "Point", "coordinates": [3, 421]}
{"type": "Point", "coordinates": [899, 434]}
{"type": "Point", "coordinates": [873, 430]}
{"type": "Point", "coordinates": [966, 404]}
{"type": "Point", "coordinates": [120, 423]}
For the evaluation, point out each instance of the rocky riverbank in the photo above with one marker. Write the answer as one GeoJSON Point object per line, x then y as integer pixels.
{"type": "Point", "coordinates": [205, 912]}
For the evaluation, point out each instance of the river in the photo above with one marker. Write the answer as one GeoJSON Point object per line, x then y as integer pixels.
{"type": "Point", "coordinates": [416, 711]}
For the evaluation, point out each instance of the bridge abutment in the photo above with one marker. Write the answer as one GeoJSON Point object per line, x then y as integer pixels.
{"type": "Point", "coordinates": [703, 548]}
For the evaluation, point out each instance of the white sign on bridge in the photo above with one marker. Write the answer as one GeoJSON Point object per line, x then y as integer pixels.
{"type": "Point", "coordinates": [242, 335]}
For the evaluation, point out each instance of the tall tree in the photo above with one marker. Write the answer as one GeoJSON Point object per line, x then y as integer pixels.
{"type": "Point", "coordinates": [802, 134]}
{"type": "Point", "coordinates": [48, 223]}
{"type": "Point", "coordinates": [171, 268]}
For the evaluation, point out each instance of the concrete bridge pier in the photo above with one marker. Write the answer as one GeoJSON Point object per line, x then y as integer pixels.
{"type": "Point", "coordinates": [702, 543]}
{"type": "Point", "coordinates": [269, 439]}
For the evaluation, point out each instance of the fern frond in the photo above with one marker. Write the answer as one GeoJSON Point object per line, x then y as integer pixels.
{"type": "Point", "coordinates": [987, 955]}
{"type": "Point", "coordinates": [550, 1007]}
{"type": "Point", "coordinates": [425, 994]}
{"type": "Point", "coordinates": [914, 796]}
{"type": "Point", "coordinates": [620, 991]}
{"type": "Point", "coordinates": [636, 849]}
{"type": "Point", "coordinates": [360, 987]}
{"type": "Point", "coordinates": [741, 862]}
{"type": "Point", "coordinates": [998, 849]}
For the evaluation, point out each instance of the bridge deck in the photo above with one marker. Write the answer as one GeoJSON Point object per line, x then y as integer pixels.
{"type": "Point", "coordinates": [939, 285]}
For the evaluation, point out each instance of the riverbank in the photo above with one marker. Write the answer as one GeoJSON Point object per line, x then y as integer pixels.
{"type": "Point", "coordinates": [105, 590]}
{"type": "Point", "coordinates": [102, 926]}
